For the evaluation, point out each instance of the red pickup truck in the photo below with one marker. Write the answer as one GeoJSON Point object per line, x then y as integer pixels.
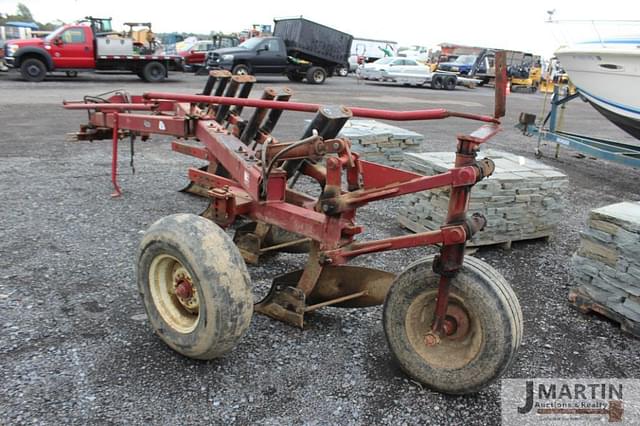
{"type": "Point", "coordinates": [84, 47]}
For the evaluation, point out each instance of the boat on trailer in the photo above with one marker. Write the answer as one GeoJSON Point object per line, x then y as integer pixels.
{"type": "Point", "coordinates": [606, 73]}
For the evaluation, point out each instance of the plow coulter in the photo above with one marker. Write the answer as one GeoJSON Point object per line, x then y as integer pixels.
{"type": "Point", "coordinates": [452, 323]}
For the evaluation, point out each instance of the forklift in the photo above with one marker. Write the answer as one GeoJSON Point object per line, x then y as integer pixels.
{"type": "Point", "coordinates": [527, 75]}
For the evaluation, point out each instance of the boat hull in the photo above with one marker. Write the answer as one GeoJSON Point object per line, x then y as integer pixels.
{"type": "Point", "coordinates": [608, 77]}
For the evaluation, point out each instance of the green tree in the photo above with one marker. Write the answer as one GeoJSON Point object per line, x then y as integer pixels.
{"type": "Point", "coordinates": [25, 13]}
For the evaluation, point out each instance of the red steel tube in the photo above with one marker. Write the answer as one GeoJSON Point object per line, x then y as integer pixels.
{"type": "Point", "coordinates": [114, 158]}
{"type": "Point", "coordinates": [132, 107]}
{"type": "Point", "coordinates": [425, 114]}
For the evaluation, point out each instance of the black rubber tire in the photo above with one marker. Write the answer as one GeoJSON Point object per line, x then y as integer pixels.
{"type": "Point", "coordinates": [450, 82]}
{"type": "Point", "coordinates": [218, 274]}
{"type": "Point", "coordinates": [437, 82]}
{"type": "Point", "coordinates": [494, 333]}
{"type": "Point", "coordinates": [316, 75]}
{"type": "Point", "coordinates": [241, 69]}
{"type": "Point", "coordinates": [154, 72]}
{"type": "Point", "coordinates": [342, 71]}
{"type": "Point", "coordinates": [294, 76]}
{"type": "Point", "coordinates": [71, 74]}
{"type": "Point", "coordinates": [33, 70]}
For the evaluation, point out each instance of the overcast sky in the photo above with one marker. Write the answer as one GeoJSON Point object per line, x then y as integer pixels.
{"type": "Point", "coordinates": [517, 25]}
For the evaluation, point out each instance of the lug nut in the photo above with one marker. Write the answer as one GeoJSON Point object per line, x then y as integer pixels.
{"type": "Point", "coordinates": [431, 339]}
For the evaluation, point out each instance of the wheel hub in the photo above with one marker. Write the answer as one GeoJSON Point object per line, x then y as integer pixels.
{"type": "Point", "coordinates": [174, 293]}
{"type": "Point", "coordinates": [184, 291]}
{"type": "Point", "coordinates": [456, 344]}
{"type": "Point", "coordinates": [454, 327]}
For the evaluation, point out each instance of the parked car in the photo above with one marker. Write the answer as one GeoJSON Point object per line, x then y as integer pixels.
{"type": "Point", "coordinates": [194, 58]}
{"type": "Point", "coordinates": [373, 71]}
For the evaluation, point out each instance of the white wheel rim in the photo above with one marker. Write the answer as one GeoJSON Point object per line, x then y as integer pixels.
{"type": "Point", "coordinates": [180, 313]}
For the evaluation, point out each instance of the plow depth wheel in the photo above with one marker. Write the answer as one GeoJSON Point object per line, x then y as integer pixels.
{"type": "Point", "coordinates": [483, 326]}
{"type": "Point", "coordinates": [194, 285]}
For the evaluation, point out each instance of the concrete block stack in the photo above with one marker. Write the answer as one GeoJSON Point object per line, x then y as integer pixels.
{"type": "Point", "coordinates": [606, 267]}
{"type": "Point", "coordinates": [522, 200]}
{"type": "Point", "coordinates": [380, 142]}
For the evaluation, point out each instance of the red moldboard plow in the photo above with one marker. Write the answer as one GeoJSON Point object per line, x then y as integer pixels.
{"type": "Point", "coordinates": [445, 317]}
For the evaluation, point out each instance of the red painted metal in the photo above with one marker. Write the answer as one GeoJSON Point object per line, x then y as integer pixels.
{"type": "Point", "coordinates": [184, 289]}
{"type": "Point", "coordinates": [191, 150]}
{"type": "Point", "coordinates": [114, 158]}
{"type": "Point", "coordinates": [425, 114]}
{"type": "Point", "coordinates": [112, 106]}
{"type": "Point", "coordinates": [442, 302]}
{"type": "Point", "coordinates": [252, 188]}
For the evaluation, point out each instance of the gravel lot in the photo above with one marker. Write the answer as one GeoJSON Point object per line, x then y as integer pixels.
{"type": "Point", "coordinates": [75, 346]}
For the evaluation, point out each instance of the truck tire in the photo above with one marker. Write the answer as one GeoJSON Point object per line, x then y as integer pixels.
{"type": "Point", "coordinates": [294, 76]}
{"type": "Point", "coordinates": [437, 82]}
{"type": "Point", "coordinates": [241, 69]}
{"type": "Point", "coordinates": [342, 70]}
{"type": "Point", "coordinates": [450, 82]}
{"type": "Point", "coordinates": [154, 72]}
{"type": "Point", "coordinates": [33, 70]}
{"type": "Point", "coordinates": [316, 75]}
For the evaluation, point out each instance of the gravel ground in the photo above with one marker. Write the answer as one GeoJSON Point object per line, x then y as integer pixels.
{"type": "Point", "coordinates": [75, 346]}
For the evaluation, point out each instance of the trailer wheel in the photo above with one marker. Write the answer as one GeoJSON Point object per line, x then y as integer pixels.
{"type": "Point", "coordinates": [154, 72]}
{"type": "Point", "coordinates": [437, 82]}
{"type": "Point", "coordinates": [33, 70]}
{"type": "Point", "coordinates": [485, 330]}
{"type": "Point", "coordinates": [194, 285]}
{"type": "Point", "coordinates": [316, 75]}
{"type": "Point", "coordinates": [241, 69]}
{"type": "Point", "coordinates": [450, 82]}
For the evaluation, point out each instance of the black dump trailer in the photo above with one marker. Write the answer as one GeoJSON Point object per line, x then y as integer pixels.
{"type": "Point", "coordinates": [308, 41]}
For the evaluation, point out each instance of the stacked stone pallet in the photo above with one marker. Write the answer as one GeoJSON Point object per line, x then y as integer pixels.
{"type": "Point", "coordinates": [380, 142]}
{"type": "Point", "coordinates": [606, 267]}
{"type": "Point", "coordinates": [522, 200]}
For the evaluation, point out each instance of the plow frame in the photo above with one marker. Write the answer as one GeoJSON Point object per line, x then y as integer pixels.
{"type": "Point", "coordinates": [255, 182]}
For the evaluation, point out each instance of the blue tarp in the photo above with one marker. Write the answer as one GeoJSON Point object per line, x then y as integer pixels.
{"type": "Point", "coordinates": [31, 25]}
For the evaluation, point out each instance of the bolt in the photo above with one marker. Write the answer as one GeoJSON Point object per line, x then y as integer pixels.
{"type": "Point", "coordinates": [336, 146]}
{"type": "Point", "coordinates": [431, 339]}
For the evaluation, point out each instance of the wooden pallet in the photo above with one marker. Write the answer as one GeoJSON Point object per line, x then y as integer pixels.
{"type": "Point", "coordinates": [580, 300]}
